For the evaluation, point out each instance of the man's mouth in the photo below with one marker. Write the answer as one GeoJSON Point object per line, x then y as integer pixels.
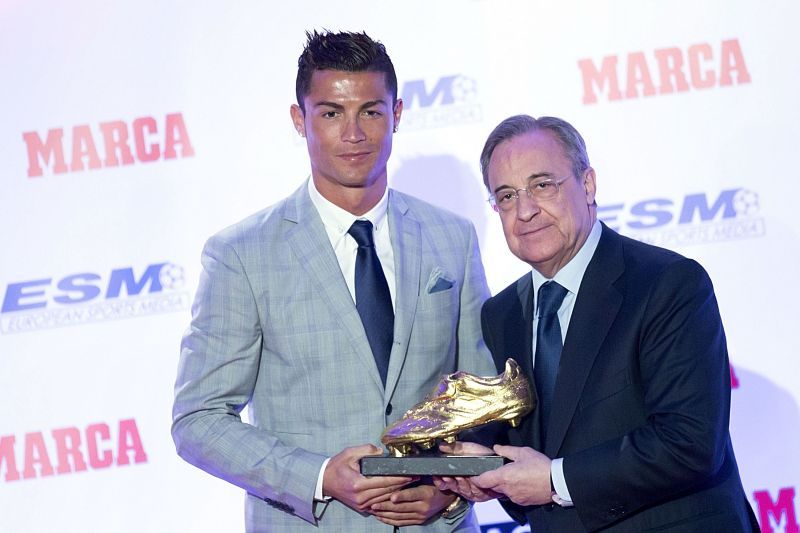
{"type": "Point", "coordinates": [354, 156]}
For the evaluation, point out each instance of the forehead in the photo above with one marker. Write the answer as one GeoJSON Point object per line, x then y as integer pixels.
{"type": "Point", "coordinates": [531, 153]}
{"type": "Point", "coordinates": [339, 85]}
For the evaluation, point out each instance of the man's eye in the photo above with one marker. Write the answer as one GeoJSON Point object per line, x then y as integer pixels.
{"type": "Point", "coordinates": [505, 196]}
{"type": "Point", "coordinates": [543, 185]}
{"type": "Point", "coordinates": [329, 114]}
{"type": "Point", "coordinates": [372, 113]}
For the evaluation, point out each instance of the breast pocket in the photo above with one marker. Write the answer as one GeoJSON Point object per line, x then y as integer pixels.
{"type": "Point", "coordinates": [439, 300]}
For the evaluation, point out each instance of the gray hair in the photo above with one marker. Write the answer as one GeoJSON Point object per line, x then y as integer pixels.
{"type": "Point", "coordinates": [569, 138]}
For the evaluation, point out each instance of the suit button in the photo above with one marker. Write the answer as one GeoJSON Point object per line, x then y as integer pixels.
{"type": "Point", "coordinates": [388, 409]}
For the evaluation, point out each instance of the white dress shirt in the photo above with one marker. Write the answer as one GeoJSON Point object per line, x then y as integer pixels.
{"type": "Point", "coordinates": [570, 277]}
{"type": "Point", "coordinates": [337, 222]}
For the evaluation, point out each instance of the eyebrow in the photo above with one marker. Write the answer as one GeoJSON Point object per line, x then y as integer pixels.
{"type": "Point", "coordinates": [530, 178]}
{"type": "Point", "coordinates": [365, 105]}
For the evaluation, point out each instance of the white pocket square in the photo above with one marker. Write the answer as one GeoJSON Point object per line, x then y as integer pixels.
{"type": "Point", "coordinates": [439, 281]}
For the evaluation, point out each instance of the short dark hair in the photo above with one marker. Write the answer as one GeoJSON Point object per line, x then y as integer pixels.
{"type": "Point", "coordinates": [346, 51]}
{"type": "Point", "coordinates": [564, 132]}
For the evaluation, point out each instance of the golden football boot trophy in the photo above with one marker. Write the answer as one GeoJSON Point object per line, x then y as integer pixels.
{"type": "Point", "coordinates": [461, 401]}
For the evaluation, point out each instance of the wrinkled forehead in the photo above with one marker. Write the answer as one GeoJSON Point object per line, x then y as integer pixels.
{"type": "Point", "coordinates": [532, 154]}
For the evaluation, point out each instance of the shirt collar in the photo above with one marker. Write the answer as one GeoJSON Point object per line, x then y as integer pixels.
{"type": "Point", "coordinates": [339, 220]}
{"type": "Point", "coordinates": [571, 274]}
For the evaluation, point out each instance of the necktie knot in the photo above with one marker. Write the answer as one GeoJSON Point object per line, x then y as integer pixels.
{"type": "Point", "coordinates": [361, 231]}
{"type": "Point", "coordinates": [551, 294]}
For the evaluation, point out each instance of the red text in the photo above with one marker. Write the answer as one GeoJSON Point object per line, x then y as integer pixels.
{"type": "Point", "coordinates": [122, 144]}
{"type": "Point", "coordinates": [699, 66]}
{"type": "Point", "coordinates": [68, 450]}
{"type": "Point", "coordinates": [778, 511]}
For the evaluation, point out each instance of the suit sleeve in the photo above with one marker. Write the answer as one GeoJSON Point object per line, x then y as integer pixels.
{"type": "Point", "coordinates": [219, 363]}
{"type": "Point", "coordinates": [685, 387]}
{"type": "Point", "coordinates": [473, 356]}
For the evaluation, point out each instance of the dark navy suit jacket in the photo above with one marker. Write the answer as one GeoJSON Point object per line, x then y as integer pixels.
{"type": "Point", "coordinates": [642, 398]}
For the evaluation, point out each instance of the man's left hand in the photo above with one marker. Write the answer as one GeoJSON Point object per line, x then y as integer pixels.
{"type": "Point", "coordinates": [464, 485]}
{"type": "Point", "coordinates": [525, 481]}
{"type": "Point", "coordinates": [412, 506]}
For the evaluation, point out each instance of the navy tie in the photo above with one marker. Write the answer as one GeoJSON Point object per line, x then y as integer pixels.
{"type": "Point", "coordinates": [548, 348]}
{"type": "Point", "coordinates": [373, 301]}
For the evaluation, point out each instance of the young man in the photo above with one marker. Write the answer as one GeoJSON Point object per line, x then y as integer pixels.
{"type": "Point", "coordinates": [330, 314]}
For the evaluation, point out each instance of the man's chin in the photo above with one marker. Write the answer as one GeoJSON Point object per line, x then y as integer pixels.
{"type": "Point", "coordinates": [537, 260]}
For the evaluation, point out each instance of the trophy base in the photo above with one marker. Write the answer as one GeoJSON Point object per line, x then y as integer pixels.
{"type": "Point", "coordinates": [430, 465]}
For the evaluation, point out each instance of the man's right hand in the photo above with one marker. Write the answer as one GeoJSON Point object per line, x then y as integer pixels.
{"type": "Point", "coordinates": [343, 481]}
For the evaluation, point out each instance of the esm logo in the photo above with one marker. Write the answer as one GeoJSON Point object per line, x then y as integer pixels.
{"type": "Point", "coordinates": [694, 219]}
{"type": "Point", "coordinates": [448, 101]}
{"type": "Point", "coordinates": [91, 297]}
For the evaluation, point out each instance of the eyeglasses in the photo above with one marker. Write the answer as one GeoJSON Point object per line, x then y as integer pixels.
{"type": "Point", "coordinates": [507, 199]}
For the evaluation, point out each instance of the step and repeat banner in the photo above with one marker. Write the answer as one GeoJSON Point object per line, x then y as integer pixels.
{"type": "Point", "coordinates": [132, 131]}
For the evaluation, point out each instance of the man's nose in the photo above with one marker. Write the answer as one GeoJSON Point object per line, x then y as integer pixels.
{"type": "Point", "coordinates": [526, 205]}
{"type": "Point", "coordinates": [352, 131]}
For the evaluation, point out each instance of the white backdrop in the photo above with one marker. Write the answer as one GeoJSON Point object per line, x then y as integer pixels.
{"type": "Point", "coordinates": [131, 131]}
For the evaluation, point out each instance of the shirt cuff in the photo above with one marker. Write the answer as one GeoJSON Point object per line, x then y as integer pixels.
{"type": "Point", "coordinates": [318, 491]}
{"type": "Point", "coordinates": [561, 496]}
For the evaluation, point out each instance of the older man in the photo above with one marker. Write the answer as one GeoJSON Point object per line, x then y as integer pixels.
{"type": "Point", "coordinates": [625, 348]}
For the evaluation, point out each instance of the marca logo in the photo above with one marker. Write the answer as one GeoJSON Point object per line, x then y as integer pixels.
{"type": "Point", "coordinates": [449, 101]}
{"type": "Point", "coordinates": [780, 513]}
{"type": "Point", "coordinates": [69, 450]}
{"type": "Point", "coordinates": [734, 378]}
{"type": "Point", "coordinates": [122, 144]}
{"type": "Point", "coordinates": [699, 66]}
{"type": "Point", "coordinates": [694, 219]}
{"type": "Point", "coordinates": [89, 297]}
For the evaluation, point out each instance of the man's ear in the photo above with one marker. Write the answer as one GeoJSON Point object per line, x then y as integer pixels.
{"type": "Point", "coordinates": [397, 112]}
{"type": "Point", "coordinates": [298, 119]}
{"type": "Point", "coordinates": [589, 185]}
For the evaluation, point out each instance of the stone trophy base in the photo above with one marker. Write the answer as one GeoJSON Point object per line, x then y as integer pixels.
{"type": "Point", "coordinates": [430, 465]}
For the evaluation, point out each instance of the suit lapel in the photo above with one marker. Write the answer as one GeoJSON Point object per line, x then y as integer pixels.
{"type": "Point", "coordinates": [306, 235]}
{"type": "Point", "coordinates": [523, 340]}
{"type": "Point", "coordinates": [406, 238]}
{"type": "Point", "coordinates": [509, 330]}
{"type": "Point", "coordinates": [595, 310]}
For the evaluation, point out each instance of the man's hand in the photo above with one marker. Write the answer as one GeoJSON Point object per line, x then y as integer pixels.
{"type": "Point", "coordinates": [464, 485]}
{"type": "Point", "coordinates": [343, 481]}
{"type": "Point", "coordinates": [465, 448]}
{"type": "Point", "coordinates": [525, 481]}
{"type": "Point", "coordinates": [412, 506]}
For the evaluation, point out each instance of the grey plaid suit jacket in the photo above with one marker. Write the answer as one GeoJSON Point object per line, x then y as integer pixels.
{"type": "Point", "coordinates": [275, 328]}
